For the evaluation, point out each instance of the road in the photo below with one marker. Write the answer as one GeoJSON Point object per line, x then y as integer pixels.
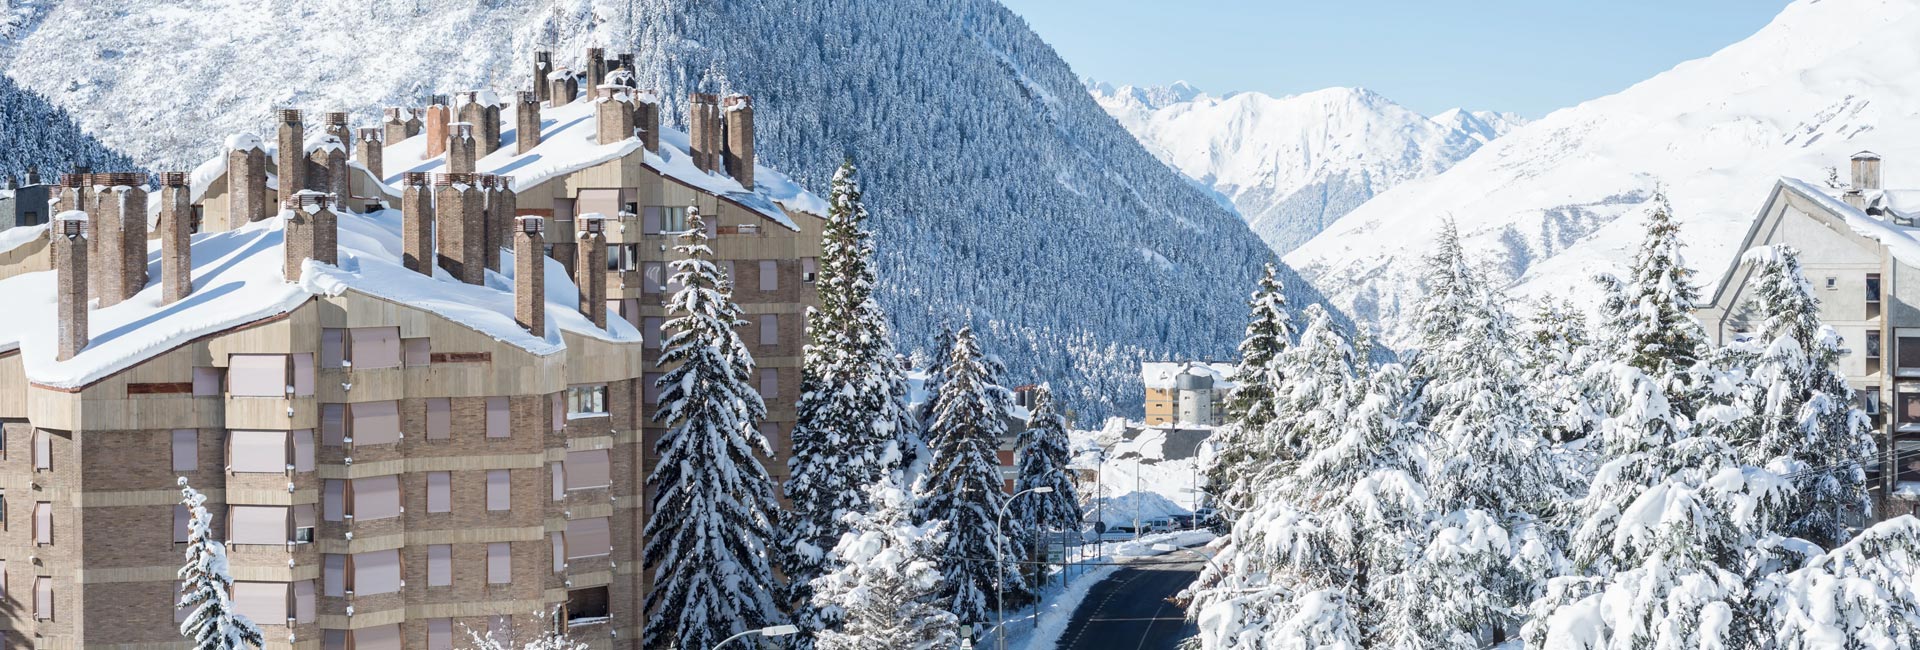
{"type": "Point", "coordinates": [1129, 609]}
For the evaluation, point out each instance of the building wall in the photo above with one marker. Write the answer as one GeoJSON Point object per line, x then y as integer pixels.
{"type": "Point", "coordinates": [1161, 405]}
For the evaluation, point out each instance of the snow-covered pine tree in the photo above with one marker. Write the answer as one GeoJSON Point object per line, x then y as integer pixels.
{"type": "Point", "coordinates": [964, 487]}
{"type": "Point", "coordinates": [1860, 595]}
{"type": "Point", "coordinates": [1653, 328]}
{"type": "Point", "coordinates": [213, 621]}
{"type": "Point", "coordinates": [542, 634]}
{"type": "Point", "coordinates": [936, 375]}
{"type": "Point", "coordinates": [1557, 357]}
{"type": "Point", "coordinates": [885, 584]}
{"type": "Point", "coordinates": [1804, 420]}
{"type": "Point", "coordinates": [852, 429]}
{"type": "Point", "coordinates": [1493, 478]}
{"type": "Point", "coordinates": [1250, 407]}
{"type": "Point", "coordinates": [711, 531]}
{"type": "Point", "coordinates": [1044, 456]}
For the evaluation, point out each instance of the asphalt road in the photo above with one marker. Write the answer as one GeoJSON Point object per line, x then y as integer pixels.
{"type": "Point", "coordinates": [1129, 609]}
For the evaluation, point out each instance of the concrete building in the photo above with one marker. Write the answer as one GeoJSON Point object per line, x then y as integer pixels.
{"type": "Point", "coordinates": [395, 455]}
{"type": "Point", "coordinates": [23, 201]}
{"type": "Point", "coordinates": [1860, 249]}
{"type": "Point", "coordinates": [1188, 393]}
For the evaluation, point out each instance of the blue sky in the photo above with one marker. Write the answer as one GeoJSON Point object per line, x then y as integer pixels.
{"type": "Point", "coordinates": [1529, 57]}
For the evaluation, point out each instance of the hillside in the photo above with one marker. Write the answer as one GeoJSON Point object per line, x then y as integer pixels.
{"type": "Point", "coordinates": [1562, 198]}
{"type": "Point", "coordinates": [1000, 190]}
{"type": "Point", "coordinates": [39, 134]}
{"type": "Point", "coordinates": [1293, 165]}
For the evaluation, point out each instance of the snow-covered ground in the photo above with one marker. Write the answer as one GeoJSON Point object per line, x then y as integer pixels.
{"type": "Point", "coordinates": [1039, 628]}
{"type": "Point", "coordinates": [1137, 478]}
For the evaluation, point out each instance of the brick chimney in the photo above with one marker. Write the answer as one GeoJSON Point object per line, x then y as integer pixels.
{"type": "Point", "coordinates": [646, 117]}
{"type": "Point", "coordinates": [562, 87]}
{"type": "Point", "coordinates": [247, 199]}
{"type": "Point", "coordinates": [461, 148]}
{"type": "Point", "coordinates": [739, 155]}
{"type": "Point", "coordinates": [312, 232]}
{"type": "Point", "coordinates": [596, 67]}
{"type": "Point", "coordinates": [589, 271]}
{"type": "Point", "coordinates": [75, 193]}
{"type": "Point", "coordinates": [460, 217]}
{"type": "Point", "coordinates": [401, 123]}
{"type": "Point", "coordinates": [176, 237]}
{"type": "Point", "coordinates": [703, 130]}
{"type": "Point", "coordinates": [336, 126]}
{"type": "Point", "coordinates": [370, 152]}
{"type": "Point", "coordinates": [69, 255]}
{"type": "Point", "coordinates": [416, 223]}
{"type": "Point", "coordinates": [119, 220]}
{"type": "Point", "coordinates": [477, 108]}
{"type": "Point", "coordinates": [526, 118]}
{"type": "Point", "coordinates": [530, 275]}
{"type": "Point", "coordinates": [542, 64]}
{"type": "Point", "coordinates": [613, 114]}
{"type": "Point", "coordinates": [437, 117]}
{"type": "Point", "coordinates": [1866, 171]}
{"type": "Point", "coordinates": [502, 205]}
{"type": "Point", "coordinates": [290, 160]}
{"type": "Point", "coordinates": [327, 169]}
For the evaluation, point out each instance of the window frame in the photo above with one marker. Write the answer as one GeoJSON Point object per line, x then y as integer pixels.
{"type": "Point", "coordinates": [583, 397]}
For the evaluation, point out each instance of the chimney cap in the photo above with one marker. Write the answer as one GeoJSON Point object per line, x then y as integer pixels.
{"type": "Point", "coordinates": [1866, 155]}
{"type": "Point", "coordinates": [592, 222]}
{"type": "Point", "coordinates": [309, 199]}
{"type": "Point", "coordinates": [530, 223]}
{"type": "Point", "coordinates": [290, 115]}
{"type": "Point", "coordinates": [337, 117]}
{"type": "Point", "coordinates": [737, 100]}
{"type": "Point", "coordinates": [416, 179]}
{"type": "Point", "coordinates": [173, 179]}
{"type": "Point", "coordinates": [72, 223]}
{"type": "Point", "coordinates": [703, 98]}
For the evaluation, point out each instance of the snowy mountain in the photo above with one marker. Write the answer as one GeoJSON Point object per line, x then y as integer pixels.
{"type": "Point", "coordinates": [1292, 165]}
{"type": "Point", "coordinates": [39, 134]}
{"type": "Point", "coordinates": [1564, 197]}
{"type": "Point", "coordinates": [1001, 192]}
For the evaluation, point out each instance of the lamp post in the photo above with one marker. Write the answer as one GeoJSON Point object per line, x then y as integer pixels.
{"type": "Point", "coordinates": [776, 630]}
{"type": "Point", "coordinates": [999, 562]}
{"type": "Point", "coordinates": [1140, 442]}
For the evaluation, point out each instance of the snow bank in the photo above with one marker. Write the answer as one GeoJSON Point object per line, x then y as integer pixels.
{"type": "Point", "coordinates": [13, 238]}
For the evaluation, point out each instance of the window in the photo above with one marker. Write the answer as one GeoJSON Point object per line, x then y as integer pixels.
{"type": "Point", "coordinates": [650, 331]}
{"type": "Point", "coordinates": [673, 219]}
{"type": "Point", "coordinates": [303, 603]}
{"type": "Point", "coordinates": [186, 450]}
{"type": "Point", "coordinates": [303, 524]}
{"type": "Point", "coordinates": [263, 452]}
{"type": "Point", "coordinates": [499, 563]}
{"type": "Point", "coordinates": [586, 470]}
{"type": "Point", "coordinates": [333, 499]}
{"type": "Point", "coordinates": [333, 575]}
{"type": "Point", "coordinates": [769, 329]}
{"type": "Point", "coordinates": [497, 420]}
{"type": "Point", "coordinates": [257, 375]}
{"type": "Point", "coordinates": [650, 388]}
{"type": "Point", "coordinates": [439, 492]}
{"type": "Point", "coordinates": [589, 605]}
{"type": "Point", "coordinates": [264, 602]}
{"type": "Point", "coordinates": [653, 277]}
{"type": "Point", "coordinates": [42, 450]}
{"type": "Point", "coordinates": [303, 375]}
{"type": "Point", "coordinates": [1908, 404]}
{"type": "Point", "coordinates": [375, 423]}
{"type": "Point", "coordinates": [623, 257]}
{"type": "Point", "coordinates": [771, 432]}
{"type": "Point", "coordinates": [43, 598]}
{"type": "Point", "coordinates": [769, 275]}
{"type": "Point", "coordinates": [440, 565]}
{"type": "Point", "coordinates": [374, 347]}
{"type": "Point", "coordinates": [43, 523]}
{"type": "Point", "coordinates": [439, 418]}
{"type": "Point", "coordinates": [809, 269]}
{"type": "Point", "coordinates": [303, 450]}
{"type": "Point", "coordinates": [1873, 288]}
{"type": "Point", "coordinates": [1873, 344]}
{"type": "Point", "coordinates": [263, 525]}
{"type": "Point", "coordinates": [499, 489]}
{"type": "Point", "coordinates": [333, 347]}
{"type": "Point", "coordinates": [587, 401]}
{"type": "Point", "coordinates": [558, 406]}
{"type": "Point", "coordinates": [591, 537]}
{"type": "Point", "coordinates": [769, 383]}
{"type": "Point", "coordinates": [1870, 400]}
{"type": "Point", "coordinates": [439, 634]}
{"type": "Point", "coordinates": [1833, 283]}
{"type": "Point", "coordinates": [376, 573]}
{"type": "Point", "coordinates": [1908, 351]}
{"type": "Point", "coordinates": [417, 352]}
{"type": "Point", "coordinates": [376, 497]}
{"type": "Point", "coordinates": [333, 424]}
{"type": "Point", "coordinates": [558, 471]}
{"type": "Point", "coordinates": [559, 551]}
{"type": "Point", "coordinates": [182, 524]}
{"type": "Point", "coordinates": [206, 382]}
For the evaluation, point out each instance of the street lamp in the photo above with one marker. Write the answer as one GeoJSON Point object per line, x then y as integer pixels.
{"type": "Point", "coordinates": [776, 630]}
{"type": "Point", "coordinates": [999, 561]}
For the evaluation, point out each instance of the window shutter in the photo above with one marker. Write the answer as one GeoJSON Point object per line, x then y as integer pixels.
{"type": "Point", "coordinates": [304, 609]}
{"type": "Point", "coordinates": [589, 538]}
{"type": "Point", "coordinates": [333, 424]}
{"type": "Point", "coordinates": [499, 489]}
{"type": "Point", "coordinates": [769, 275]}
{"type": "Point", "coordinates": [333, 574]}
{"type": "Point", "coordinates": [650, 331]}
{"type": "Point", "coordinates": [650, 388]}
{"type": "Point", "coordinates": [384, 637]}
{"type": "Point", "coordinates": [499, 563]}
{"type": "Point", "coordinates": [497, 421]}
{"type": "Point", "coordinates": [653, 277]}
{"type": "Point", "coordinates": [262, 452]}
{"type": "Point", "coordinates": [376, 423]}
{"type": "Point", "coordinates": [439, 634]}
{"type": "Point", "coordinates": [419, 352]}
{"type": "Point", "coordinates": [440, 565]}
{"type": "Point", "coordinates": [439, 418]}
{"type": "Point", "coordinates": [650, 220]}
{"type": "Point", "coordinates": [206, 382]}
{"type": "Point", "coordinates": [266, 525]}
{"type": "Point", "coordinates": [303, 375]}
{"type": "Point", "coordinates": [182, 524]}
{"type": "Point", "coordinates": [264, 602]}
{"type": "Point", "coordinates": [376, 573]}
{"type": "Point", "coordinates": [43, 523]}
{"type": "Point", "coordinates": [558, 406]}
{"type": "Point", "coordinates": [439, 492]}
{"type": "Point", "coordinates": [333, 347]}
{"type": "Point", "coordinates": [303, 516]}
{"type": "Point", "coordinates": [333, 499]}
{"type": "Point", "coordinates": [559, 472]}
{"type": "Point", "coordinates": [376, 497]}
{"type": "Point", "coordinates": [769, 383]}
{"type": "Point", "coordinates": [43, 598]}
{"type": "Point", "coordinates": [559, 551]}
{"type": "Point", "coordinates": [375, 347]}
{"type": "Point", "coordinates": [42, 450]}
{"type": "Point", "coordinates": [303, 450]}
{"type": "Point", "coordinates": [257, 375]}
{"type": "Point", "coordinates": [589, 469]}
{"type": "Point", "coordinates": [769, 329]}
{"type": "Point", "coordinates": [809, 267]}
{"type": "Point", "coordinates": [186, 450]}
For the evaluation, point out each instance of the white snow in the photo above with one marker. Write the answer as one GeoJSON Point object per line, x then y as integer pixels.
{"type": "Point", "coordinates": [1162, 374]}
{"type": "Point", "coordinates": [12, 238]}
{"type": "Point", "coordinates": [1564, 197]}
{"type": "Point", "coordinates": [238, 279]}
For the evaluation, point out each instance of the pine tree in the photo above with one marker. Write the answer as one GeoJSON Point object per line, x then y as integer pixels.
{"type": "Point", "coordinates": [1250, 406]}
{"type": "Point", "coordinates": [1557, 357]}
{"type": "Point", "coordinates": [886, 582]}
{"type": "Point", "coordinates": [1652, 326]}
{"type": "Point", "coordinates": [213, 621]}
{"type": "Point", "coordinates": [1804, 418]}
{"type": "Point", "coordinates": [1044, 456]}
{"type": "Point", "coordinates": [852, 429]}
{"type": "Point", "coordinates": [1860, 595]}
{"type": "Point", "coordinates": [964, 487]}
{"type": "Point", "coordinates": [711, 531]}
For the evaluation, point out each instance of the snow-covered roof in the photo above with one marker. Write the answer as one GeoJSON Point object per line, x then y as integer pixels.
{"type": "Point", "coordinates": [1166, 374]}
{"type": "Point", "coordinates": [13, 238]}
{"type": "Point", "coordinates": [568, 143]}
{"type": "Point", "coordinates": [1903, 242]}
{"type": "Point", "coordinates": [238, 279]}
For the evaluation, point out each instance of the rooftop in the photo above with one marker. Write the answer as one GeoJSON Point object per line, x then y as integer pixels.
{"type": "Point", "coordinates": [1878, 221]}
{"type": "Point", "coordinates": [1164, 374]}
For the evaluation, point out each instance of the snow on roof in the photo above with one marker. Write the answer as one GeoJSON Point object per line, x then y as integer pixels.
{"type": "Point", "coordinates": [1901, 241]}
{"type": "Point", "coordinates": [568, 143]}
{"type": "Point", "coordinates": [1164, 374]}
{"type": "Point", "coordinates": [13, 238]}
{"type": "Point", "coordinates": [238, 279]}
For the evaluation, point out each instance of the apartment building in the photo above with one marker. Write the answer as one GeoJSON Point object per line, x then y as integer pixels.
{"type": "Point", "coordinates": [1860, 249]}
{"type": "Point", "coordinates": [1186, 392]}
{"type": "Point", "coordinates": [409, 365]}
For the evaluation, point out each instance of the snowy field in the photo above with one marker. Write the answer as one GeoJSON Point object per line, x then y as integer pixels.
{"type": "Point", "coordinates": [1136, 477]}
